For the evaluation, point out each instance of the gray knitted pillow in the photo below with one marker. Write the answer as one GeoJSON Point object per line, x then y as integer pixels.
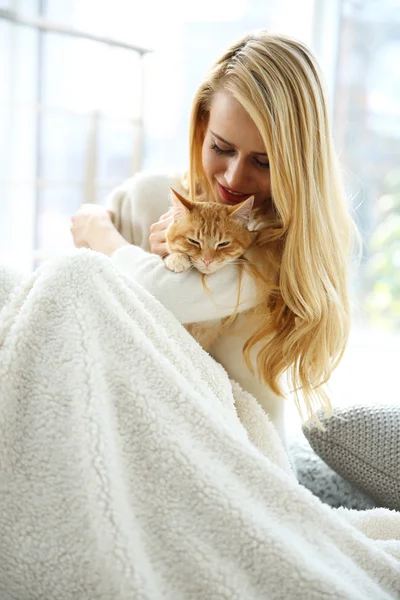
{"type": "Point", "coordinates": [362, 444]}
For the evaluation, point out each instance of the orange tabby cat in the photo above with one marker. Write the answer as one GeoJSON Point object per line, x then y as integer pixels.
{"type": "Point", "coordinates": [207, 236]}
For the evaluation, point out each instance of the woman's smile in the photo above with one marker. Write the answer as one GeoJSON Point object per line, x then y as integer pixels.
{"type": "Point", "coordinates": [231, 196]}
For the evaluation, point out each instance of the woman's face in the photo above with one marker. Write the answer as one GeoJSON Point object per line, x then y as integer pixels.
{"type": "Point", "coordinates": [234, 157]}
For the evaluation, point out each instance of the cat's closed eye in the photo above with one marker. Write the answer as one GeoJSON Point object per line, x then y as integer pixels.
{"type": "Point", "coordinates": [195, 242]}
{"type": "Point", "coordinates": [223, 244]}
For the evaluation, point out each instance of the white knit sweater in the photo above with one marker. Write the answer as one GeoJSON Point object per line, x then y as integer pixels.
{"type": "Point", "coordinates": [138, 203]}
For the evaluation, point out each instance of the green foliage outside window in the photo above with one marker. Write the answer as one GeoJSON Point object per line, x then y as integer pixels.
{"type": "Point", "coordinates": [382, 303]}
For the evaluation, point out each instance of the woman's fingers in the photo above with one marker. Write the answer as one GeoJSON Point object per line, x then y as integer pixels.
{"type": "Point", "coordinates": [157, 238]}
{"type": "Point", "coordinates": [167, 215]}
{"type": "Point", "coordinates": [159, 248]}
{"type": "Point", "coordinates": [87, 222]}
{"type": "Point", "coordinates": [78, 233]}
{"type": "Point", "coordinates": [157, 242]}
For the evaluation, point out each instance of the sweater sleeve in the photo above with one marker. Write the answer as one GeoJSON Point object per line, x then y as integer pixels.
{"type": "Point", "coordinates": [137, 204]}
{"type": "Point", "coordinates": [183, 293]}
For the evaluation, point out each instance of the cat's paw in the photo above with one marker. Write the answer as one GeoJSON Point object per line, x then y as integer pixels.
{"type": "Point", "coordinates": [177, 262]}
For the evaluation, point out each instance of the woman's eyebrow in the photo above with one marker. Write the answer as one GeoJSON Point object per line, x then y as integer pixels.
{"type": "Point", "coordinates": [233, 145]}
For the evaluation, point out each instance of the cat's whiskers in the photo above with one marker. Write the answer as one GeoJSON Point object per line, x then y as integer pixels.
{"type": "Point", "coordinates": [237, 261]}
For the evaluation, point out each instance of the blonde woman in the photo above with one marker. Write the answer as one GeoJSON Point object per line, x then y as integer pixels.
{"type": "Point", "coordinates": [131, 465]}
{"type": "Point", "coordinates": [259, 126]}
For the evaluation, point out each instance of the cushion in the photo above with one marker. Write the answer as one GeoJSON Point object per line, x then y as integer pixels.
{"type": "Point", "coordinates": [314, 474]}
{"type": "Point", "coordinates": [362, 444]}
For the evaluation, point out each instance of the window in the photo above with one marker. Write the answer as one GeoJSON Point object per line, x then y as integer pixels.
{"type": "Point", "coordinates": [367, 134]}
{"type": "Point", "coordinates": [67, 133]}
{"type": "Point", "coordinates": [367, 129]}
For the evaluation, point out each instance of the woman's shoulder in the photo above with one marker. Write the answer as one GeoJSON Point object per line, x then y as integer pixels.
{"type": "Point", "coordinates": [142, 199]}
{"type": "Point", "coordinates": [150, 183]}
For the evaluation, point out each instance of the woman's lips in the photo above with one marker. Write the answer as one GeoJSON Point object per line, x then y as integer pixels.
{"type": "Point", "coordinates": [232, 198]}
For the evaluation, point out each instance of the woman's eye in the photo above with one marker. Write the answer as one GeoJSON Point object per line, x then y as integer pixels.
{"type": "Point", "coordinates": [219, 150]}
{"type": "Point", "coordinates": [223, 244]}
{"type": "Point", "coordinates": [195, 242]}
{"type": "Point", "coordinates": [260, 164]}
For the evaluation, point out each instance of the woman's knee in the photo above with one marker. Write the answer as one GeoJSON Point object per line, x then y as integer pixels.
{"type": "Point", "coordinates": [74, 270]}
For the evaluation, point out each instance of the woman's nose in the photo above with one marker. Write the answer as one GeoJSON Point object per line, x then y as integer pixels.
{"type": "Point", "coordinates": [235, 175]}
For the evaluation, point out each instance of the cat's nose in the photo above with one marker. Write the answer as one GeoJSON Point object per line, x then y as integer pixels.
{"type": "Point", "coordinates": [207, 261]}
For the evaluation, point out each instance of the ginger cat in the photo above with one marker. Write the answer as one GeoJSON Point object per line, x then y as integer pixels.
{"type": "Point", "coordinates": [207, 236]}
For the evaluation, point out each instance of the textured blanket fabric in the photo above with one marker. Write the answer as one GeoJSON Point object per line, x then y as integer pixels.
{"type": "Point", "coordinates": [131, 467]}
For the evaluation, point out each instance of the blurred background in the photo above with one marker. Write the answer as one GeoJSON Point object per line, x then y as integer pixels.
{"type": "Point", "coordinates": [91, 92]}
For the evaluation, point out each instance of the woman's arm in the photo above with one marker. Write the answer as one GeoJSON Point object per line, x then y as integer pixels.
{"type": "Point", "coordinates": [92, 227]}
{"type": "Point", "coordinates": [184, 293]}
{"type": "Point", "coordinates": [138, 203]}
{"type": "Point", "coordinates": [135, 205]}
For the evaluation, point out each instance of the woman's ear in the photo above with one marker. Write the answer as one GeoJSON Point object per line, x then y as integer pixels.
{"type": "Point", "coordinates": [180, 205]}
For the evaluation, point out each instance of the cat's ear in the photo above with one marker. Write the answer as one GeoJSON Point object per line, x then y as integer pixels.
{"type": "Point", "coordinates": [242, 212]}
{"type": "Point", "coordinates": [180, 205]}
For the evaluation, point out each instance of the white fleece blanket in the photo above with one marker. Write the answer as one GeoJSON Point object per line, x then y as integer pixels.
{"type": "Point", "coordinates": [127, 474]}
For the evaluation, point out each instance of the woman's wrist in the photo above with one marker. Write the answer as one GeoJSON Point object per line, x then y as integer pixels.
{"type": "Point", "coordinates": [103, 237]}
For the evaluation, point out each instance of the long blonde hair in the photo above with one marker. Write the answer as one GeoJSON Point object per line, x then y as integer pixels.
{"type": "Point", "coordinates": [308, 240]}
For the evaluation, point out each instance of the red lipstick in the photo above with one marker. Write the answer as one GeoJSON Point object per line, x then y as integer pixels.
{"type": "Point", "coordinates": [232, 198]}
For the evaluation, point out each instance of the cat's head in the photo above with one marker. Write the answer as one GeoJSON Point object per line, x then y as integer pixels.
{"type": "Point", "coordinates": [211, 234]}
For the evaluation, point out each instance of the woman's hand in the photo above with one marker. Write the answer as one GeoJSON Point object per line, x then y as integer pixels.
{"type": "Point", "coordinates": [92, 227]}
{"type": "Point", "coordinates": [157, 238]}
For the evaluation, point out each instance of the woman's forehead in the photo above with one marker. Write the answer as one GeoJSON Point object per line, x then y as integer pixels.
{"type": "Point", "coordinates": [231, 122]}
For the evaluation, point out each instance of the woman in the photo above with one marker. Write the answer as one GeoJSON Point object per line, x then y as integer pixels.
{"type": "Point", "coordinates": [131, 466]}
{"type": "Point", "coordinates": [259, 126]}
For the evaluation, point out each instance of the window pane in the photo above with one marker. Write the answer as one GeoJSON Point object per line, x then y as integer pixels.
{"type": "Point", "coordinates": [17, 224]}
{"type": "Point", "coordinates": [18, 93]}
{"type": "Point", "coordinates": [119, 144]}
{"type": "Point", "coordinates": [368, 133]}
{"type": "Point", "coordinates": [18, 146]}
{"type": "Point", "coordinates": [18, 55]}
{"type": "Point", "coordinates": [86, 75]}
{"type": "Point", "coordinates": [24, 7]}
{"type": "Point", "coordinates": [64, 145]}
{"type": "Point", "coordinates": [57, 204]}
